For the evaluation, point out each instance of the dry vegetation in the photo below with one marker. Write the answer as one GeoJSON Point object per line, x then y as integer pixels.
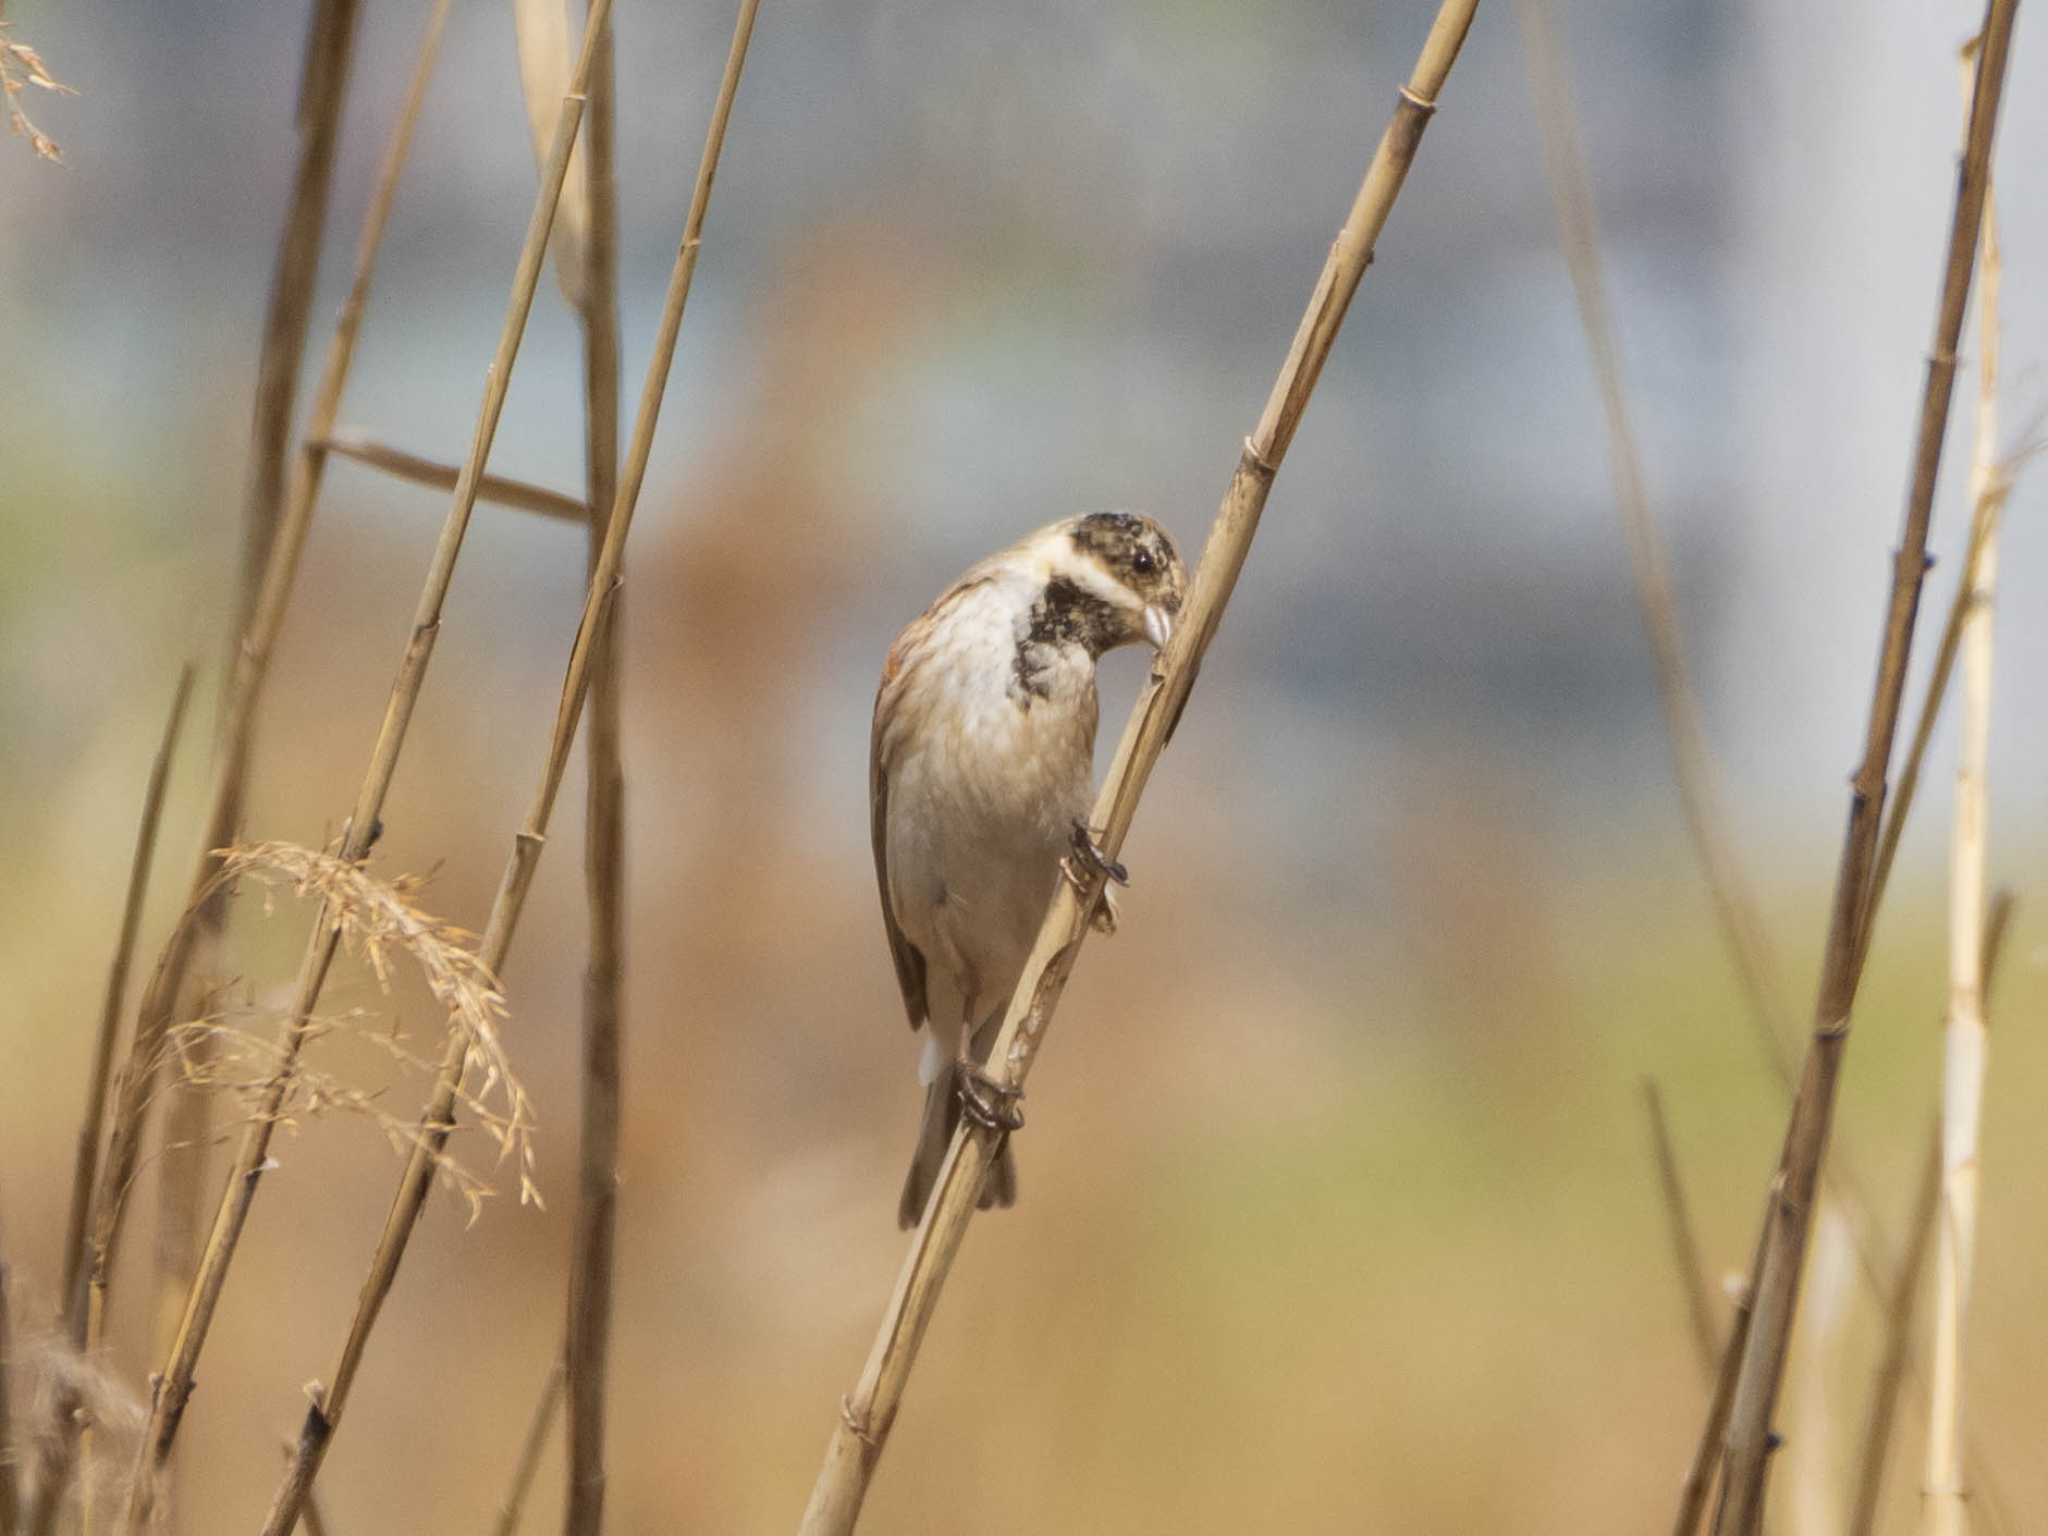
{"type": "Point", "coordinates": [217, 1065]}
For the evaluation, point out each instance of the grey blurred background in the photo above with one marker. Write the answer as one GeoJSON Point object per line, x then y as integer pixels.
{"type": "Point", "coordinates": [1336, 1205]}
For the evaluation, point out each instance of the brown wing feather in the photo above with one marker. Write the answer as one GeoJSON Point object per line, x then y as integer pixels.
{"type": "Point", "coordinates": [910, 962]}
{"type": "Point", "coordinates": [908, 957]}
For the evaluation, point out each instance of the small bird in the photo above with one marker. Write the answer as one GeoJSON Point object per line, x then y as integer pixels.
{"type": "Point", "coordinates": [980, 775]}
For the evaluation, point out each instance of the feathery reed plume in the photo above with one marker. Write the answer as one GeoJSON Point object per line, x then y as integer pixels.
{"type": "Point", "coordinates": [1883, 1409]}
{"type": "Point", "coordinates": [1685, 1242]}
{"type": "Point", "coordinates": [352, 443]}
{"type": "Point", "coordinates": [439, 1118]}
{"type": "Point", "coordinates": [1966, 1034]}
{"type": "Point", "coordinates": [1793, 1189]}
{"type": "Point", "coordinates": [20, 67]}
{"type": "Point", "coordinates": [867, 1414]}
{"type": "Point", "coordinates": [530, 1448]}
{"type": "Point", "coordinates": [588, 1336]}
{"type": "Point", "coordinates": [174, 1383]}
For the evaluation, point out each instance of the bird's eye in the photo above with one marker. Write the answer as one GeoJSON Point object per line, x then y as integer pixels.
{"type": "Point", "coordinates": [1143, 563]}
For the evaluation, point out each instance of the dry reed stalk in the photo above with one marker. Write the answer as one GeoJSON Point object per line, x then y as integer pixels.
{"type": "Point", "coordinates": [323, 87]}
{"type": "Point", "coordinates": [439, 1117]}
{"type": "Point", "coordinates": [1889, 1380]}
{"type": "Point", "coordinates": [1794, 1187]}
{"type": "Point", "coordinates": [1966, 1035]}
{"type": "Point", "coordinates": [160, 999]}
{"type": "Point", "coordinates": [869, 1411]}
{"type": "Point", "coordinates": [1685, 1242]}
{"type": "Point", "coordinates": [593, 1246]}
{"type": "Point", "coordinates": [1735, 906]}
{"type": "Point", "coordinates": [1699, 787]}
{"type": "Point", "coordinates": [540, 29]}
{"type": "Point", "coordinates": [10, 1481]}
{"type": "Point", "coordinates": [1706, 1453]}
{"type": "Point", "coordinates": [529, 1450]}
{"type": "Point", "coordinates": [316, 1517]}
{"type": "Point", "coordinates": [174, 1385]}
{"type": "Point", "coordinates": [57, 1448]}
{"type": "Point", "coordinates": [85, 1162]}
{"type": "Point", "coordinates": [353, 443]}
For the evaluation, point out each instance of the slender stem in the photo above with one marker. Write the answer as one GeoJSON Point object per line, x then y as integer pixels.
{"type": "Point", "coordinates": [224, 797]}
{"type": "Point", "coordinates": [438, 1120]}
{"type": "Point", "coordinates": [1685, 1243]}
{"type": "Point", "coordinates": [869, 1411]}
{"type": "Point", "coordinates": [1700, 791]}
{"type": "Point", "coordinates": [530, 1448]}
{"type": "Point", "coordinates": [175, 1382]}
{"type": "Point", "coordinates": [1790, 1210]}
{"type": "Point", "coordinates": [587, 1352]}
{"type": "Point", "coordinates": [351, 443]}
{"type": "Point", "coordinates": [1966, 1035]}
{"type": "Point", "coordinates": [1887, 1387]}
{"type": "Point", "coordinates": [287, 321]}
{"type": "Point", "coordinates": [57, 1449]}
{"type": "Point", "coordinates": [85, 1162]}
{"type": "Point", "coordinates": [10, 1480]}
{"type": "Point", "coordinates": [1706, 1454]}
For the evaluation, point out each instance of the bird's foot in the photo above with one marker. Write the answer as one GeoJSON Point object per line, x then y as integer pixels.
{"type": "Point", "coordinates": [1088, 860]}
{"type": "Point", "coordinates": [989, 1104]}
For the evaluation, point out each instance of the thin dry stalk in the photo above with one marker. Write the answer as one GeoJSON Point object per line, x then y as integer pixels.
{"type": "Point", "coordinates": [1685, 1242]}
{"type": "Point", "coordinates": [353, 443]}
{"type": "Point", "coordinates": [316, 1517]}
{"type": "Point", "coordinates": [175, 1383]}
{"type": "Point", "coordinates": [224, 797]}
{"type": "Point", "coordinates": [57, 1448]}
{"type": "Point", "coordinates": [1699, 786]}
{"type": "Point", "coordinates": [588, 1338]}
{"type": "Point", "coordinates": [540, 28]}
{"type": "Point", "coordinates": [10, 1481]}
{"type": "Point", "coordinates": [869, 1411]}
{"type": "Point", "coordinates": [1707, 1451]}
{"type": "Point", "coordinates": [85, 1162]}
{"type": "Point", "coordinates": [439, 1117]}
{"type": "Point", "coordinates": [1967, 1037]}
{"type": "Point", "coordinates": [1794, 1188]}
{"type": "Point", "coordinates": [1889, 1382]}
{"type": "Point", "coordinates": [323, 87]}
{"type": "Point", "coordinates": [529, 1451]}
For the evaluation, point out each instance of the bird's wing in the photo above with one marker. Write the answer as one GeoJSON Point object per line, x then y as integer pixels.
{"type": "Point", "coordinates": [908, 957]}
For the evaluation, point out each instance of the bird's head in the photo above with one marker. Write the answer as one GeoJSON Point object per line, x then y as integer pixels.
{"type": "Point", "coordinates": [1116, 576]}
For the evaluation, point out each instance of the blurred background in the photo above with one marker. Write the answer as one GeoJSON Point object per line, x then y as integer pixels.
{"type": "Point", "coordinates": [1338, 1207]}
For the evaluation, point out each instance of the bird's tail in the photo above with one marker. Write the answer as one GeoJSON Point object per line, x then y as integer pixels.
{"type": "Point", "coordinates": [934, 1135]}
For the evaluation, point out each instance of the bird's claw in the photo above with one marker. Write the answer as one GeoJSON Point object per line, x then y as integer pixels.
{"type": "Point", "coordinates": [989, 1104]}
{"type": "Point", "coordinates": [1088, 860]}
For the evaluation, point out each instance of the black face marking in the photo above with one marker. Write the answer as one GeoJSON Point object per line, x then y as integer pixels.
{"type": "Point", "coordinates": [1135, 551]}
{"type": "Point", "coordinates": [1065, 614]}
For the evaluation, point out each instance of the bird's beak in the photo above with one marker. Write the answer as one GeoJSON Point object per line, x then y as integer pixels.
{"type": "Point", "coordinates": [1158, 626]}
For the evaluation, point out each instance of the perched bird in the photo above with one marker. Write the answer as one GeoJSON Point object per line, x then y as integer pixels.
{"type": "Point", "coordinates": [980, 773]}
